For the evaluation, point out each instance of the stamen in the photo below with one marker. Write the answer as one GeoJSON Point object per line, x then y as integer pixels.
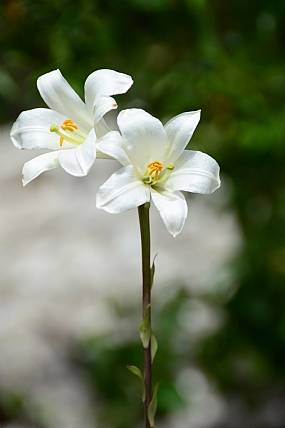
{"type": "Point", "coordinates": [156, 167]}
{"type": "Point", "coordinates": [70, 128]}
{"type": "Point", "coordinates": [67, 128]}
{"type": "Point", "coordinates": [151, 176]}
{"type": "Point", "coordinates": [69, 125]}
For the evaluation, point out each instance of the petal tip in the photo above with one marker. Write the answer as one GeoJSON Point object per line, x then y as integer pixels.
{"type": "Point", "coordinates": [24, 182]}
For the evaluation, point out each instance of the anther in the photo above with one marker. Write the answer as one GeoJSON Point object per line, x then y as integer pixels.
{"type": "Point", "coordinates": [69, 125]}
{"type": "Point", "coordinates": [156, 167]}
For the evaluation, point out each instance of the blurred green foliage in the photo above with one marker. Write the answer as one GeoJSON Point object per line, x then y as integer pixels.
{"type": "Point", "coordinates": [227, 58]}
{"type": "Point", "coordinates": [13, 408]}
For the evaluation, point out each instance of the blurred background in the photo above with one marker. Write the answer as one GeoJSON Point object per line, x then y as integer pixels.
{"type": "Point", "coordinates": [71, 273]}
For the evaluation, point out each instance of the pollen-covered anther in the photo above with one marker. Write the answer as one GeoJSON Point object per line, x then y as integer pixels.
{"type": "Point", "coordinates": [156, 167]}
{"type": "Point", "coordinates": [69, 125]}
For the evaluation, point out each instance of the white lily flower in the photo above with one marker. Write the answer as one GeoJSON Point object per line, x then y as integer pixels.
{"type": "Point", "coordinates": [70, 127]}
{"type": "Point", "coordinates": [155, 165]}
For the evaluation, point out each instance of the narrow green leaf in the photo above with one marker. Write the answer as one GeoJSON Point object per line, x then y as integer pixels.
{"type": "Point", "coordinates": [145, 328]}
{"type": "Point", "coordinates": [151, 411]}
{"type": "Point", "coordinates": [152, 271]}
{"type": "Point", "coordinates": [154, 346]}
{"type": "Point", "coordinates": [138, 373]}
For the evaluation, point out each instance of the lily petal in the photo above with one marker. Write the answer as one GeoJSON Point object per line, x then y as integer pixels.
{"type": "Point", "coordinates": [172, 208]}
{"type": "Point", "coordinates": [122, 191]}
{"type": "Point", "coordinates": [59, 96]}
{"type": "Point", "coordinates": [105, 82]}
{"type": "Point", "coordinates": [194, 172]}
{"type": "Point", "coordinates": [179, 131]}
{"type": "Point", "coordinates": [79, 160]}
{"type": "Point", "coordinates": [32, 130]}
{"type": "Point", "coordinates": [36, 166]}
{"type": "Point", "coordinates": [102, 106]}
{"type": "Point", "coordinates": [144, 136]}
{"type": "Point", "coordinates": [112, 144]}
{"type": "Point", "coordinates": [101, 128]}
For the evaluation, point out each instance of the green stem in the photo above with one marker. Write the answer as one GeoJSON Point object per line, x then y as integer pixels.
{"type": "Point", "coordinates": [146, 295]}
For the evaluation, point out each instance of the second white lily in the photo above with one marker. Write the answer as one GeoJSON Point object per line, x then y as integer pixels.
{"type": "Point", "coordinates": [155, 165]}
{"type": "Point", "coordinates": [70, 127]}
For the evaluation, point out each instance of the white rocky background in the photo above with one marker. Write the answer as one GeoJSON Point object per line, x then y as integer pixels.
{"type": "Point", "coordinates": [64, 262]}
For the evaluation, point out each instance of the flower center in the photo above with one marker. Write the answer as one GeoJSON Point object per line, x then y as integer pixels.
{"type": "Point", "coordinates": [156, 172]}
{"type": "Point", "coordinates": [72, 133]}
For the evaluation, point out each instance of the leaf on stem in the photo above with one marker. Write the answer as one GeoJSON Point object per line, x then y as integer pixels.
{"type": "Point", "coordinates": [145, 328]}
{"type": "Point", "coordinates": [152, 271]}
{"type": "Point", "coordinates": [138, 373]}
{"type": "Point", "coordinates": [153, 406]}
{"type": "Point", "coordinates": [154, 346]}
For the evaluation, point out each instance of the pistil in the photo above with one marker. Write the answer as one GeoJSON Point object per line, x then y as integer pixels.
{"type": "Point", "coordinates": [168, 168]}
